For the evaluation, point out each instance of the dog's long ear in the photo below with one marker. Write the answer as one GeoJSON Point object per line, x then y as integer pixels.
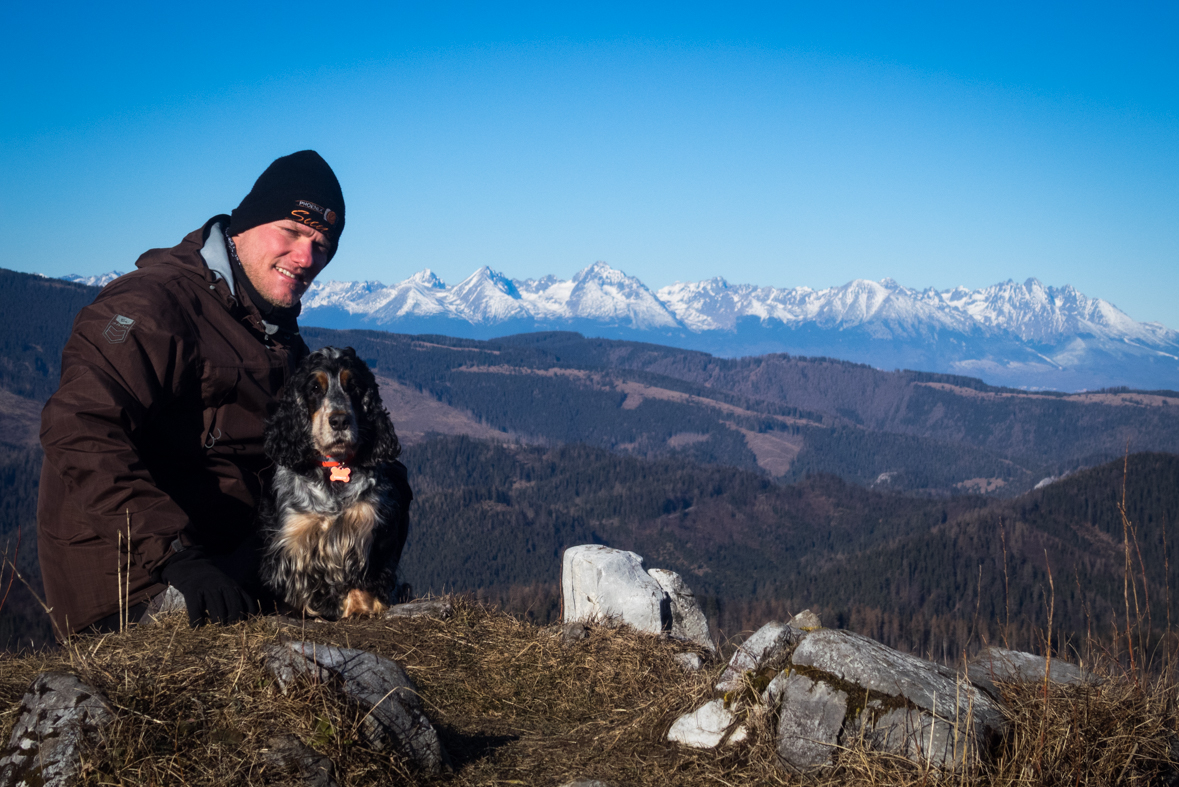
{"type": "Point", "coordinates": [287, 431]}
{"type": "Point", "coordinates": [385, 445]}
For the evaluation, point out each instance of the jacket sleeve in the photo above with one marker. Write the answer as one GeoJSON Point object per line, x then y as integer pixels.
{"type": "Point", "coordinates": [131, 353]}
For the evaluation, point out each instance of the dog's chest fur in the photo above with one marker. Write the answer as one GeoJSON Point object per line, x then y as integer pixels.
{"type": "Point", "coordinates": [326, 528]}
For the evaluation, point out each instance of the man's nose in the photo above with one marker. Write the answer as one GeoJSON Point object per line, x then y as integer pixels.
{"type": "Point", "coordinates": [303, 253]}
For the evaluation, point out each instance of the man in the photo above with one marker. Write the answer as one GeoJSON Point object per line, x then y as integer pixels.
{"type": "Point", "coordinates": [153, 442]}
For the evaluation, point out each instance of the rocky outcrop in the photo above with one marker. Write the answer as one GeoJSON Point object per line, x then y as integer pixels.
{"type": "Point", "coordinates": [394, 719]}
{"type": "Point", "coordinates": [57, 716]}
{"type": "Point", "coordinates": [833, 688]}
{"type": "Point", "coordinates": [600, 584]}
{"type": "Point", "coordinates": [825, 690]}
{"type": "Point", "coordinates": [910, 706]}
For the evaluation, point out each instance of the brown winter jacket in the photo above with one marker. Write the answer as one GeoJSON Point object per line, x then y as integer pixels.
{"type": "Point", "coordinates": [155, 431]}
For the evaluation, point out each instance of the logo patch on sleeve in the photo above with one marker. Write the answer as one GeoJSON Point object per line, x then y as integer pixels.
{"type": "Point", "coordinates": [117, 329]}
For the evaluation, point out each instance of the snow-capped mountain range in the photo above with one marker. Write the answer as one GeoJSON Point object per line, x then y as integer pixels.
{"type": "Point", "coordinates": [1026, 335]}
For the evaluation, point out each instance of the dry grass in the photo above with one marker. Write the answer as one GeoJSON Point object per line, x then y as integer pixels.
{"type": "Point", "coordinates": [515, 706]}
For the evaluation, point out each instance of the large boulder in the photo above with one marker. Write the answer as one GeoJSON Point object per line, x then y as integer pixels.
{"type": "Point", "coordinates": [603, 584]}
{"type": "Point", "coordinates": [908, 705]}
{"type": "Point", "coordinates": [57, 716]}
{"type": "Point", "coordinates": [394, 719]}
{"type": "Point", "coordinates": [599, 583]}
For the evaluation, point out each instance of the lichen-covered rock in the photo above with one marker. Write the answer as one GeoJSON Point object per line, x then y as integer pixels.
{"type": "Point", "coordinates": [1013, 666]}
{"type": "Point", "coordinates": [810, 721]}
{"type": "Point", "coordinates": [767, 643]}
{"type": "Point", "coordinates": [687, 619]}
{"type": "Point", "coordinates": [908, 697]}
{"type": "Point", "coordinates": [707, 726]}
{"type": "Point", "coordinates": [57, 715]}
{"type": "Point", "coordinates": [806, 621]}
{"type": "Point", "coordinates": [599, 583]}
{"type": "Point", "coordinates": [691, 662]}
{"type": "Point", "coordinates": [297, 760]}
{"type": "Point", "coordinates": [394, 717]}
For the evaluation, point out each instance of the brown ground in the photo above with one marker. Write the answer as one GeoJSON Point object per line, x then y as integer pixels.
{"type": "Point", "coordinates": [515, 706]}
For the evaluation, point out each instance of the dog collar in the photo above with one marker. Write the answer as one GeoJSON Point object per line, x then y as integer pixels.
{"type": "Point", "coordinates": [340, 472]}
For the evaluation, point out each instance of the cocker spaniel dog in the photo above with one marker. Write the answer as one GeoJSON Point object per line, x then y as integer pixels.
{"type": "Point", "coordinates": [337, 513]}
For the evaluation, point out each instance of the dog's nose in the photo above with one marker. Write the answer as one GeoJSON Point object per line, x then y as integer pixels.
{"type": "Point", "coordinates": [338, 420]}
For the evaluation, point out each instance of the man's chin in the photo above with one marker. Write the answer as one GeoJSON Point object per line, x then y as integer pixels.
{"type": "Point", "coordinates": [282, 300]}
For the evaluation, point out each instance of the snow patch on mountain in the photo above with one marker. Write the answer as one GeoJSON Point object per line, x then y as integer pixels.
{"type": "Point", "coordinates": [1026, 334]}
{"type": "Point", "coordinates": [101, 280]}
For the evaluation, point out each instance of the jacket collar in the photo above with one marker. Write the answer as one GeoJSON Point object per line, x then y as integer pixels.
{"type": "Point", "coordinates": [217, 258]}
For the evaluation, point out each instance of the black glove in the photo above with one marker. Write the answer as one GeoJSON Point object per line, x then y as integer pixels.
{"type": "Point", "coordinates": [207, 589]}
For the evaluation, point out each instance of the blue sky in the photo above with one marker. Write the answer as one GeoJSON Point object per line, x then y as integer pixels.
{"type": "Point", "coordinates": [937, 144]}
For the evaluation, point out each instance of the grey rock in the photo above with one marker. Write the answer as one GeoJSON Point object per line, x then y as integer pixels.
{"type": "Point", "coordinates": [585, 783]}
{"type": "Point", "coordinates": [574, 632]}
{"type": "Point", "coordinates": [773, 692]}
{"type": "Point", "coordinates": [57, 715]}
{"type": "Point", "coordinates": [422, 608]}
{"type": "Point", "coordinates": [918, 735]}
{"type": "Point", "coordinates": [689, 661]}
{"type": "Point", "coordinates": [959, 721]}
{"type": "Point", "coordinates": [687, 619]}
{"type": "Point", "coordinates": [394, 718]}
{"type": "Point", "coordinates": [609, 585]}
{"type": "Point", "coordinates": [169, 602]}
{"type": "Point", "coordinates": [810, 722]}
{"type": "Point", "coordinates": [767, 643]}
{"type": "Point", "coordinates": [289, 754]}
{"type": "Point", "coordinates": [1013, 666]}
{"type": "Point", "coordinates": [707, 726]}
{"type": "Point", "coordinates": [806, 621]}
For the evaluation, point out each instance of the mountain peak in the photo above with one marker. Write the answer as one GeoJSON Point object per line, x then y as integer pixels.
{"type": "Point", "coordinates": [427, 278]}
{"type": "Point", "coordinates": [601, 271]}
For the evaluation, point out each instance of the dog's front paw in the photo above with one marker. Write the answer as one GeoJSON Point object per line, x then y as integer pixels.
{"type": "Point", "coordinates": [361, 602]}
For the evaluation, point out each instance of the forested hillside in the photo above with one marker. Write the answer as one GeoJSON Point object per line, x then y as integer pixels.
{"type": "Point", "coordinates": [772, 483]}
{"type": "Point", "coordinates": [917, 574]}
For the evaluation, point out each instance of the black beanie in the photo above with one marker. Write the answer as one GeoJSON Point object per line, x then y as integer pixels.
{"type": "Point", "coordinates": [300, 187]}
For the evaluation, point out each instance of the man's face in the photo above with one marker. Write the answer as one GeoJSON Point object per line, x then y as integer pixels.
{"type": "Point", "coordinates": [282, 258]}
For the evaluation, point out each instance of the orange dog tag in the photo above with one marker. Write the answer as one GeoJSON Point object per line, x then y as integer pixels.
{"type": "Point", "coordinates": [341, 474]}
